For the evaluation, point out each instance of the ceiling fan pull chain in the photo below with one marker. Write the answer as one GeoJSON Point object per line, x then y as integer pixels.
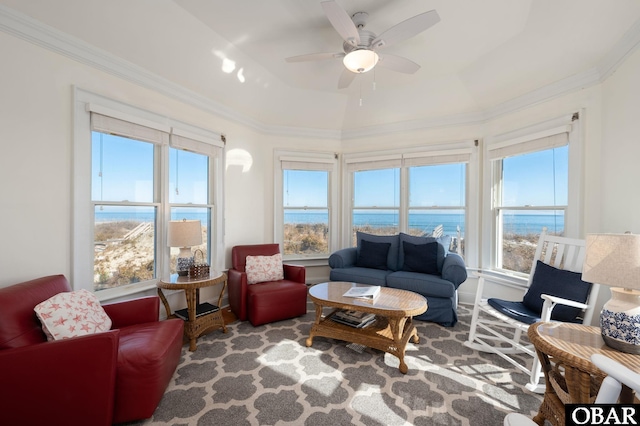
{"type": "Point", "coordinates": [360, 92]}
{"type": "Point", "coordinates": [374, 79]}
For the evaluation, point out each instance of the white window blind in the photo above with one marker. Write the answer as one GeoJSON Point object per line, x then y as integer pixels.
{"type": "Point", "coordinates": [189, 141]}
{"type": "Point", "coordinates": [423, 159]}
{"type": "Point", "coordinates": [553, 139]}
{"type": "Point", "coordinates": [115, 126]}
{"type": "Point", "coordinates": [373, 163]}
{"type": "Point", "coordinates": [292, 163]}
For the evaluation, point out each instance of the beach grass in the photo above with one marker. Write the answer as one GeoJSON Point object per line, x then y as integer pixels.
{"type": "Point", "coordinates": [124, 249]}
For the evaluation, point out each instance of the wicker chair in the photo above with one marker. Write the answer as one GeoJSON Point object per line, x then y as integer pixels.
{"type": "Point", "coordinates": [609, 393]}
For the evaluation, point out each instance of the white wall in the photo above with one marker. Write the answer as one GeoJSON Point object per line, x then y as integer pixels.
{"type": "Point", "coordinates": [620, 150]}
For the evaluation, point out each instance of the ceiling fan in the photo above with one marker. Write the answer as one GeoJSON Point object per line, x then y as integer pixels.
{"type": "Point", "coordinates": [361, 46]}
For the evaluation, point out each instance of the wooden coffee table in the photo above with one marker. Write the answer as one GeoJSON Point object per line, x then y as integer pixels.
{"type": "Point", "coordinates": [390, 332]}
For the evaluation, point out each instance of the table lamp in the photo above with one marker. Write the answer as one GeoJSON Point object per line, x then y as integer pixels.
{"type": "Point", "coordinates": [184, 234]}
{"type": "Point", "coordinates": [614, 260]}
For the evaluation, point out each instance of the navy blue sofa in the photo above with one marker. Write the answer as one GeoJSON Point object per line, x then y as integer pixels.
{"type": "Point", "coordinates": [423, 265]}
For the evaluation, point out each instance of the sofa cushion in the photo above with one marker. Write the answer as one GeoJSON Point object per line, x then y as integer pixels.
{"type": "Point", "coordinates": [392, 256]}
{"type": "Point", "coordinates": [443, 247]}
{"type": "Point", "coordinates": [560, 283]}
{"type": "Point", "coordinates": [72, 314]}
{"type": "Point", "coordinates": [515, 310]}
{"type": "Point", "coordinates": [420, 257]}
{"type": "Point", "coordinates": [360, 275]}
{"type": "Point", "coordinates": [274, 301]}
{"type": "Point", "coordinates": [424, 284]}
{"type": "Point", "coordinates": [264, 268]}
{"type": "Point", "coordinates": [373, 255]}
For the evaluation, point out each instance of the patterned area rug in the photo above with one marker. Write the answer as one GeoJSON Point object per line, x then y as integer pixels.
{"type": "Point", "coordinates": [267, 376]}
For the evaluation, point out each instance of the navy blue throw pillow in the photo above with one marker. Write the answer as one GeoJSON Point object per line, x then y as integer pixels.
{"type": "Point", "coordinates": [559, 283]}
{"type": "Point", "coordinates": [373, 255]}
{"type": "Point", "coordinates": [420, 257]}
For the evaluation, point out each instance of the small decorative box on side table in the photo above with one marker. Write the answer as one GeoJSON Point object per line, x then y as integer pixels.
{"type": "Point", "coordinates": [201, 317]}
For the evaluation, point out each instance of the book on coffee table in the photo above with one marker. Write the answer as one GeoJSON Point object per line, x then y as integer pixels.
{"type": "Point", "coordinates": [354, 318]}
{"type": "Point", "coordinates": [368, 292]}
{"type": "Point", "coordinates": [201, 309]}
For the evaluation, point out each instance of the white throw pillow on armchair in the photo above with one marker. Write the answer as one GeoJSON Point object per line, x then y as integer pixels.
{"type": "Point", "coordinates": [264, 268]}
{"type": "Point", "coordinates": [72, 314]}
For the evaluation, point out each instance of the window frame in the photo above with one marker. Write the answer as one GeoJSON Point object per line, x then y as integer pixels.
{"type": "Point", "coordinates": [329, 161]}
{"type": "Point", "coordinates": [82, 217]}
{"type": "Point", "coordinates": [519, 142]}
{"type": "Point", "coordinates": [465, 151]}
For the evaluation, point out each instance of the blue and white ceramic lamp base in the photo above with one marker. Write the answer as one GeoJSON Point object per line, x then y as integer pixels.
{"type": "Point", "coordinates": [620, 320]}
{"type": "Point", "coordinates": [183, 265]}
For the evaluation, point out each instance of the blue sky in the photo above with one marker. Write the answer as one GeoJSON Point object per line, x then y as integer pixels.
{"type": "Point", "coordinates": [127, 174]}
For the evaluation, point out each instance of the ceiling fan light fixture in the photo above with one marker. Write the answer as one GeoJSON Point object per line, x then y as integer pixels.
{"type": "Point", "coordinates": [360, 60]}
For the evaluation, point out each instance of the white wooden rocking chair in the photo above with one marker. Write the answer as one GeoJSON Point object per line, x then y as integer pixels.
{"type": "Point", "coordinates": [500, 326]}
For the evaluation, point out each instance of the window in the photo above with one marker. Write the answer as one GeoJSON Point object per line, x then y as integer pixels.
{"type": "Point", "coordinates": [437, 198]}
{"type": "Point", "coordinates": [305, 188]}
{"type": "Point", "coordinates": [419, 193]}
{"type": "Point", "coordinates": [530, 192]}
{"type": "Point", "coordinates": [189, 194]}
{"type": "Point", "coordinates": [133, 172]}
{"type": "Point", "coordinates": [125, 215]}
{"type": "Point", "coordinates": [376, 205]}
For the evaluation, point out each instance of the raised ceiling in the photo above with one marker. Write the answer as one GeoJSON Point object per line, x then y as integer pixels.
{"type": "Point", "coordinates": [481, 55]}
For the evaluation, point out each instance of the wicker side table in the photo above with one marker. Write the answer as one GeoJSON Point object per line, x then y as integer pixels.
{"type": "Point", "coordinates": [565, 350]}
{"type": "Point", "coordinates": [195, 325]}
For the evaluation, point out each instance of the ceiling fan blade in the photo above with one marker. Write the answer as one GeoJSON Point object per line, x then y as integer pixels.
{"type": "Point", "coordinates": [406, 29]}
{"type": "Point", "coordinates": [342, 22]}
{"type": "Point", "coordinates": [314, 57]}
{"type": "Point", "coordinates": [398, 63]}
{"type": "Point", "coordinates": [346, 78]}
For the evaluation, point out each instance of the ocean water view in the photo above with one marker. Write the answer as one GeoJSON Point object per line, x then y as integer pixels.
{"type": "Point", "coordinates": [521, 224]}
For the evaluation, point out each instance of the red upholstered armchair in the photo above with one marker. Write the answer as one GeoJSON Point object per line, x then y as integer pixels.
{"type": "Point", "coordinates": [99, 379]}
{"type": "Point", "coordinates": [269, 301]}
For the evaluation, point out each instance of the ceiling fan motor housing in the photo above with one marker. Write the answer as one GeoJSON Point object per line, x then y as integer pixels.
{"type": "Point", "coordinates": [366, 37]}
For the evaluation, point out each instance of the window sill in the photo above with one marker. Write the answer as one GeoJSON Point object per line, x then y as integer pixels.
{"type": "Point", "coordinates": [126, 291]}
{"type": "Point", "coordinates": [307, 261]}
{"type": "Point", "coordinates": [503, 276]}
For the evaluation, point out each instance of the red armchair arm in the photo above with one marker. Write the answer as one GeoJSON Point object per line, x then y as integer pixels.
{"type": "Point", "coordinates": [294, 273]}
{"type": "Point", "coordinates": [135, 311]}
{"type": "Point", "coordinates": [237, 291]}
{"type": "Point", "coordinates": [68, 382]}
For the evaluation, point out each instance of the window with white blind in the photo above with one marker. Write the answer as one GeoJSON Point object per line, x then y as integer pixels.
{"type": "Point", "coordinates": [531, 186]}
{"type": "Point", "coordinates": [306, 191]}
{"type": "Point", "coordinates": [416, 192]}
{"type": "Point", "coordinates": [133, 172]}
{"type": "Point", "coordinates": [437, 196]}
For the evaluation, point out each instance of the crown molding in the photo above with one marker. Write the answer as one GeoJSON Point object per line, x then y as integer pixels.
{"type": "Point", "coordinates": [40, 34]}
{"type": "Point", "coordinates": [620, 52]}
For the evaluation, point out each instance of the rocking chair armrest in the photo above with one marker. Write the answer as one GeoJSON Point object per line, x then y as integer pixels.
{"type": "Point", "coordinates": [550, 302]}
{"type": "Point", "coordinates": [560, 301]}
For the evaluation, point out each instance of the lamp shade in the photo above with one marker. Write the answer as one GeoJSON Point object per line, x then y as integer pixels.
{"type": "Point", "coordinates": [184, 233]}
{"type": "Point", "coordinates": [361, 60]}
{"type": "Point", "coordinates": [613, 260]}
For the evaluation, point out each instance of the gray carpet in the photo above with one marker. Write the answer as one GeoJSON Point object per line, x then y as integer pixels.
{"type": "Point", "coordinates": [267, 376]}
